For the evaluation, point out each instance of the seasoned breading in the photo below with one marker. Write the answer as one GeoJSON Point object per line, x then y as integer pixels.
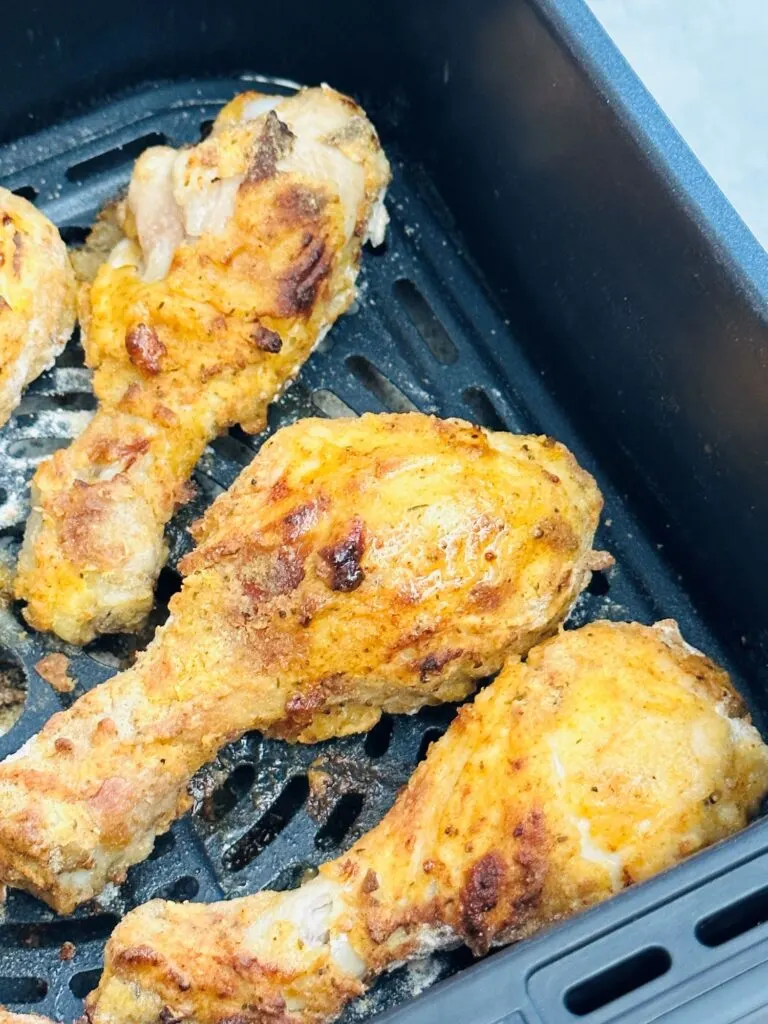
{"type": "Point", "coordinates": [6, 1017]}
{"type": "Point", "coordinates": [613, 752]}
{"type": "Point", "coordinates": [37, 297]}
{"type": "Point", "coordinates": [357, 566]}
{"type": "Point", "coordinates": [236, 257]}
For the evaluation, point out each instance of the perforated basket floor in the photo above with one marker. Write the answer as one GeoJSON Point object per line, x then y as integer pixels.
{"type": "Point", "coordinates": [425, 335]}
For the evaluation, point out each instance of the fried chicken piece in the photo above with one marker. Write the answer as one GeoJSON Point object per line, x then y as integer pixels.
{"type": "Point", "coordinates": [37, 297]}
{"type": "Point", "coordinates": [357, 566]}
{"type": "Point", "coordinates": [612, 753]}
{"type": "Point", "coordinates": [6, 1017]}
{"type": "Point", "coordinates": [236, 257]}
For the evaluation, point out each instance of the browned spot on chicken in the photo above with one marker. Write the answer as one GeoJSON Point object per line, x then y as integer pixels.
{"type": "Point", "coordinates": [63, 746]}
{"type": "Point", "coordinates": [18, 247]}
{"type": "Point", "coordinates": [435, 662]}
{"type": "Point", "coordinates": [297, 290]}
{"type": "Point", "coordinates": [106, 729]}
{"type": "Point", "coordinates": [532, 857]}
{"type": "Point", "coordinates": [274, 142]}
{"type": "Point", "coordinates": [371, 881]}
{"type": "Point", "coordinates": [266, 340]}
{"type": "Point", "coordinates": [557, 532]}
{"type": "Point", "coordinates": [146, 956]}
{"type": "Point", "coordinates": [282, 575]}
{"type": "Point", "coordinates": [210, 371]}
{"type": "Point", "coordinates": [4, 304]}
{"type": "Point", "coordinates": [304, 518]}
{"type": "Point", "coordinates": [302, 706]}
{"type": "Point", "coordinates": [109, 450]}
{"type": "Point", "coordinates": [54, 668]}
{"type": "Point", "coordinates": [165, 415]}
{"type": "Point", "coordinates": [82, 512]}
{"type": "Point", "coordinates": [480, 895]}
{"type": "Point", "coordinates": [112, 799]}
{"type": "Point", "coordinates": [486, 596]}
{"type": "Point", "coordinates": [144, 348]}
{"type": "Point", "coordinates": [298, 204]}
{"type": "Point", "coordinates": [413, 637]}
{"type": "Point", "coordinates": [340, 566]}
{"type": "Point", "coordinates": [278, 490]}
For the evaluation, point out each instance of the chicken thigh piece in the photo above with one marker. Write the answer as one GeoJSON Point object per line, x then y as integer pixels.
{"type": "Point", "coordinates": [356, 566]}
{"type": "Point", "coordinates": [226, 265]}
{"type": "Point", "coordinates": [612, 753]}
{"type": "Point", "coordinates": [37, 297]}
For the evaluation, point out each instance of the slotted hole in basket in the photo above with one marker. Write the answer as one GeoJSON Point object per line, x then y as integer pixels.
{"type": "Point", "coordinates": [291, 876]}
{"type": "Point", "coordinates": [229, 793]}
{"type": "Point", "coordinates": [115, 157]}
{"type": "Point", "coordinates": [168, 584]}
{"type": "Point", "coordinates": [13, 692]}
{"type": "Point", "coordinates": [599, 585]}
{"type": "Point", "coordinates": [185, 888]}
{"type": "Point", "coordinates": [429, 737]}
{"type": "Point", "coordinates": [235, 451]}
{"type": "Point", "coordinates": [617, 980]}
{"type": "Point", "coordinates": [737, 918]}
{"type": "Point", "coordinates": [22, 990]}
{"type": "Point", "coordinates": [330, 405]}
{"type": "Point", "coordinates": [483, 410]}
{"type": "Point", "coordinates": [84, 982]}
{"type": "Point", "coordinates": [36, 448]}
{"type": "Point", "coordinates": [206, 127]}
{"type": "Point", "coordinates": [378, 739]}
{"type": "Point", "coordinates": [163, 844]}
{"type": "Point", "coordinates": [426, 321]}
{"type": "Point", "coordinates": [72, 401]}
{"type": "Point", "coordinates": [28, 192]}
{"type": "Point", "coordinates": [341, 819]}
{"type": "Point", "coordinates": [74, 234]}
{"type": "Point", "coordinates": [381, 387]}
{"type": "Point", "coordinates": [51, 934]}
{"type": "Point", "coordinates": [270, 824]}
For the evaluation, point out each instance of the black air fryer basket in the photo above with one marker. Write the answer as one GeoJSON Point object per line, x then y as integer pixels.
{"type": "Point", "coordinates": [557, 262]}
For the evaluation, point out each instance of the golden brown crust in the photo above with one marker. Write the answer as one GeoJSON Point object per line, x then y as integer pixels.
{"type": "Point", "coordinates": [180, 358]}
{"type": "Point", "coordinates": [572, 775]}
{"type": "Point", "coordinates": [37, 297]}
{"type": "Point", "coordinates": [6, 1017]}
{"type": "Point", "coordinates": [334, 581]}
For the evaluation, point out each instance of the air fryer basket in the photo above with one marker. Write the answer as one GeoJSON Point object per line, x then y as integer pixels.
{"type": "Point", "coordinates": [588, 337]}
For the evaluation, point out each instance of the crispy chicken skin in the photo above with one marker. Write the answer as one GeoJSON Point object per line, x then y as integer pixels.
{"type": "Point", "coordinates": [357, 566]}
{"type": "Point", "coordinates": [6, 1017]}
{"type": "Point", "coordinates": [234, 258]}
{"type": "Point", "coordinates": [609, 755]}
{"type": "Point", "coordinates": [37, 297]}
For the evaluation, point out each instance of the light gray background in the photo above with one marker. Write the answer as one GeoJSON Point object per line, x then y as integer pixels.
{"type": "Point", "coordinates": [706, 63]}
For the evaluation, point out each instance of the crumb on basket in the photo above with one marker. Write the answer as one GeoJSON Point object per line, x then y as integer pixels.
{"type": "Point", "coordinates": [67, 951]}
{"type": "Point", "coordinates": [54, 668]}
{"type": "Point", "coordinates": [6, 582]}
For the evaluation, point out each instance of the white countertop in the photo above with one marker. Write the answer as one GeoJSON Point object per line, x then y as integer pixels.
{"type": "Point", "coordinates": [706, 64]}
